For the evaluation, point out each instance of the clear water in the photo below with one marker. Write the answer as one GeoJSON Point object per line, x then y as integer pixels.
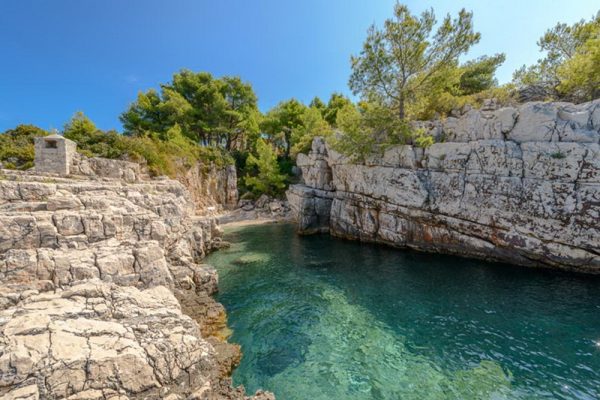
{"type": "Point", "coordinates": [321, 318]}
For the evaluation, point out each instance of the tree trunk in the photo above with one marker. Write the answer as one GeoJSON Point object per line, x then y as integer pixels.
{"type": "Point", "coordinates": [401, 112]}
{"type": "Point", "coordinates": [287, 136]}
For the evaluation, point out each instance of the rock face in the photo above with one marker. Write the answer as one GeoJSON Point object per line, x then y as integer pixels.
{"type": "Point", "coordinates": [102, 293]}
{"type": "Point", "coordinates": [264, 208]}
{"type": "Point", "coordinates": [212, 188]}
{"type": "Point", "coordinates": [520, 185]}
{"type": "Point", "coordinates": [105, 168]}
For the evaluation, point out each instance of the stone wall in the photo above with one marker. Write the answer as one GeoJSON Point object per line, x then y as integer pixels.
{"type": "Point", "coordinates": [212, 188]}
{"type": "Point", "coordinates": [520, 185]}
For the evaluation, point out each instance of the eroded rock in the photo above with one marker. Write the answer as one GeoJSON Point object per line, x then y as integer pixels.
{"type": "Point", "coordinates": [103, 295]}
{"type": "Point", "coordinates": [512, 184]}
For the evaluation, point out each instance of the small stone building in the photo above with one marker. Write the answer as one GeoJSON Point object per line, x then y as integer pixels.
{"type": "Point", "coordinates": [54, 154]}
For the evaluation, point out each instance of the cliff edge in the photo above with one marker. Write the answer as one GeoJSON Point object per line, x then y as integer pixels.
{"type": "Point", "coordinates": [519, 185]}
{"type": "Point", "coordinates": [103, 293]}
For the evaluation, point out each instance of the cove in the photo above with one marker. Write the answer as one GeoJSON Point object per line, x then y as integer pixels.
{"type": "Point", "coordinates": [322, 318]}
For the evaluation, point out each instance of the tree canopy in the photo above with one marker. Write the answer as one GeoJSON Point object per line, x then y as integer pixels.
{"type": "Point", "coordinates": [399, 63]}
{"type": "Point", "coordinates": [281, 120]}
{"type": "Point", "coordinates": [570, 69]}
{"type": "Point", "coordinates": [218, 111]}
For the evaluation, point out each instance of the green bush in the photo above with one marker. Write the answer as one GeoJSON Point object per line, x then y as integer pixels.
{"type": "Point", "coordinates": [422, 139]}
{"type": "Point", "coordinates": [368, 129]}
{"type": "Point", "coordinates": [16, 146]}
{"type": "Point", "coordinates": [167, 153]}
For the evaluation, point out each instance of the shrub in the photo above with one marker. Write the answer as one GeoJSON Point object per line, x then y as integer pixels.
{"type": "Point", "coordinates": [422, 139]}
{"type": "Point", "coordinates": [368, 129]}
{"type": "Point", "coordinates": [16, 146]}
{"type": "Point", "coordinates": [167, 153]}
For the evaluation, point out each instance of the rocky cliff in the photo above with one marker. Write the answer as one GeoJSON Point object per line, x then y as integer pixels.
{"type": "Point", "coordinates": [103, 293]}
{"type": "Point", "coordinates": [520, 185]}
{"type": "Point", "coordinates": [211, 187]}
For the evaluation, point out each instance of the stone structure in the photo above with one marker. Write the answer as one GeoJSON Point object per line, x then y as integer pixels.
{"type": "Point", "coordinates": [103, 294]}
{"type": "Point", "coordinates": [520, 185]}
{"type": "Point", "coordinates": [213, 188]}
{"type": "Point", "coordinates": [54, 154]}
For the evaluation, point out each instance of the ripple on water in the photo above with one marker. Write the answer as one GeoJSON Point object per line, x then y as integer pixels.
{"type": "Point", "coordinates": [319, 318]}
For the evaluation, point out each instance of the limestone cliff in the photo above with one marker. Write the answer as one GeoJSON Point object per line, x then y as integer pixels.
{"type": "Point", "coordinates": [211, 187]}
{"type": "Point", "coordinates": [520, 185]}
{"type": "Point", "coordinates": [103, 293]}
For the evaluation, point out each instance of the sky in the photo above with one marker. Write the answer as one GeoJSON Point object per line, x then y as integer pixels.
{"type": "Point", "coordinates": [63, 56]}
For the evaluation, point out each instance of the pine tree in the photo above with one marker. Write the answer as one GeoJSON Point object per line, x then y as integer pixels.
{"type": "Point", "coordinates": [268, 179]}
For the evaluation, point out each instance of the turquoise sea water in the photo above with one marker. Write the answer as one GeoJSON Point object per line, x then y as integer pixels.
{"type": "Point", "coordinates": [321, 318]}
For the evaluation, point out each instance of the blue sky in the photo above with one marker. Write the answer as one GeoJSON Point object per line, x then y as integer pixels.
{"type": "Point", "coordinates": [58, 57]}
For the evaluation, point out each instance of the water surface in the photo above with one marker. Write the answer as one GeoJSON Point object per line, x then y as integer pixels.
{"type": "Point", "coordinates": [321, 318]}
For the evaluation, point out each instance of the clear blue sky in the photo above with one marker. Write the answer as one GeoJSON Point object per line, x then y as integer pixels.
{"type": "Point", "coordinates": [61, 56]}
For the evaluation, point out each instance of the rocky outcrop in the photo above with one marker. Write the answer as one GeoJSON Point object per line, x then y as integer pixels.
{"type": "Point", "coordinates": [265, 208]}
{"type": "Point", "coordinates": [520, 185]}
{"type": "Point", "coordinates": [105, 168]}
{"type": "Point", "coordinates": [103, 294]}
{"type": "Point", "coordinates": [212, 188]}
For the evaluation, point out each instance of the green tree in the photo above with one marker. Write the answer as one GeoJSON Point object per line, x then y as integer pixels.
{"type": "Point", "coordinates": [469, 83]}
{"type": "Point", "coordinates": [479, 75]}
{"type": "Point", "coordinates": [92, 141]}
{"type": "Point", "coordinates": [569, 69]}
{"type": "Point", "coordinates": [313, 125]}
{"type": "Point", "coordinates": [398, 63]}
{"type": "Point", "coordinates": [222, 112]}
{"type": "Point", "coordinates": [207, 105]}
{"type": "Point", "coordinates": [580, 75]}
{"type": "Point", "coordinates": [354, 142]}
{"type": "Point", "coordinates": [336, 102]}
{"type": "Point", "coordinates": [79, 128]}
{"type": "Point", "coordinates": [317, 103]}
{"type": "Point", "coordinates": [368, 129]}
{"type": "Point", "coordinates": [145, 115]}
{"type": "Point", "coordinates": [281, 120]}
{"type": "Point", "coordinates": [240, 120]}
{"type": "Point", "coordinates": [16, 146]}
{"type": "Point", "coordinates": [268, 179]}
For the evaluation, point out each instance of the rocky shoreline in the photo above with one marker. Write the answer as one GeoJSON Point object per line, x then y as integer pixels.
{"type": "Point", "coordinates": [104, 294]}
{"type": "Point", "coordinates": [514, 184]}
{"type": "Point", "coordinates": [265, 209]}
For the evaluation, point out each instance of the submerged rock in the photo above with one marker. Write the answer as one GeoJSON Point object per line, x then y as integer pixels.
{"type": "Point", "coordinates": [252, 258]}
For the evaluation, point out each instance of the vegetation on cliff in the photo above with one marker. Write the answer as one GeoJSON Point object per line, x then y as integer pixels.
{"type": "Point", "coordinates": [571, 68]}
{"type": "Point", "coordinates": [16, 146]}
{"type": "Point", "coordinates": [409, 69]}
